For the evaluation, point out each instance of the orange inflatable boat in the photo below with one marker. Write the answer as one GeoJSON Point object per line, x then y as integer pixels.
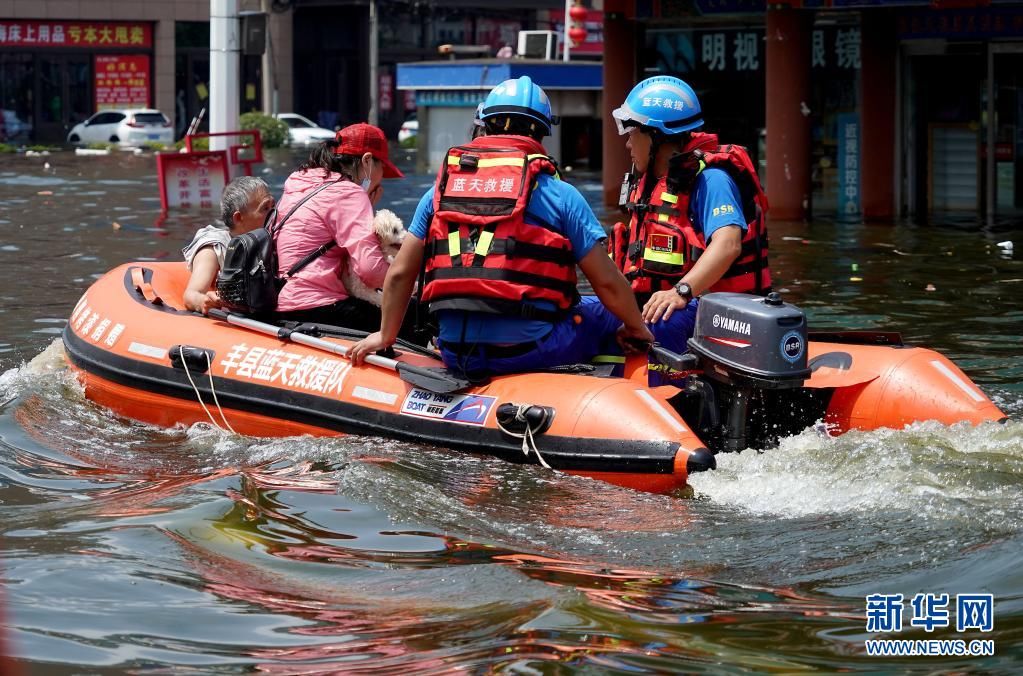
{"type": "Point", "coordinates": [752, 375]}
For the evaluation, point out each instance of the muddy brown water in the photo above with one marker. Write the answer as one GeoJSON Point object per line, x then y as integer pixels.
{"type": "Point", "coordinates": [130, 548]}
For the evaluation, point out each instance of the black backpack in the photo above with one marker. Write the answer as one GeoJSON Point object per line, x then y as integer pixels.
{"type": "Point", "coordinates": [249, 282]}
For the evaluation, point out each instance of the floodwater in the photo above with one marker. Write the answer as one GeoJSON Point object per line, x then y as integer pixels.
{"type": "Point", "coordinates": [129, 548]}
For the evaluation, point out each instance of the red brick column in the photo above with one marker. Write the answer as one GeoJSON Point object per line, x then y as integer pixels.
{"type": "Point", "coordinates": [788, 128]}
{"type": "Point", "coordinates": [620, 50]}
{"type": "Point", "coordinates": [878, 54]}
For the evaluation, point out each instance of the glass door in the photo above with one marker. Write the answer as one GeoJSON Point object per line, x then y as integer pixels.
{"type": "Point", "coordinates": [16, 98]}
{"type": "Point", "coordinates": [1006, 169]}
{"type": "Point", "coordinates": [64, 95]}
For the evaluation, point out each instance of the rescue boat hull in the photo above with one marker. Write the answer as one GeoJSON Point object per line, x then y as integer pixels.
{"type": "Point", "coordinates": [122, 339]}
{"type": "Point", "coordinates": [125, 338]}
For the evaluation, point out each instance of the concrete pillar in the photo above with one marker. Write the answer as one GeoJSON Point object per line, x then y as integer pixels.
{"type": "Point", "coordinates": [163, 68]}
{"type": "Point", "coordinates": [788, 122]}
{"type": "Point", "coordinates": [281, 39]}
{"type": "Point", "coordinates": [225, 59]}
{"type": "Point", "coordinates": [620, 50]}
{"type": "Point", "coordinates": [878, 54]}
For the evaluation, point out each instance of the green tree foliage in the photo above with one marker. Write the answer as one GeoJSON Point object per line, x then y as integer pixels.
{"type": "Point", "coordinates": [273, 131]}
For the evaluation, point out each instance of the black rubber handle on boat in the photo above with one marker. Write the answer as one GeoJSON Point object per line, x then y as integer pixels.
{"type": "Point", "coordinates": [674, 360]}
{"type": "Point", "coordinates": [434, 379]}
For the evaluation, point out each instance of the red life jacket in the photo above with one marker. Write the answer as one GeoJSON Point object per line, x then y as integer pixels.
{"type": "Point", "coordinates": [661, 245]}
{"type": "Point", "coordinates": [484, 252]}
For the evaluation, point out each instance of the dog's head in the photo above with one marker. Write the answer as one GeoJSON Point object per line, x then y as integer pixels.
{"type": "Point", "coordinates": [389, 230]}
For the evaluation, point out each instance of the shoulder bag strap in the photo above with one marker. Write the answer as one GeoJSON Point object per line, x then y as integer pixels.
{"type": "Point", "coordinates": [318, 251]}
{"type": "Point", "coordinates": [275, 230]}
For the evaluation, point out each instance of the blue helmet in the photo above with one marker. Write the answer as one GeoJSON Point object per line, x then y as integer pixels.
{"type": "Point", "coordinates": [664, 103]}
{"type": "Point", "coordinates": [519, 97]}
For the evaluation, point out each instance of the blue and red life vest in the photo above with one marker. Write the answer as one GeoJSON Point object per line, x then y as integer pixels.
{"type": "Point", "coordinates": [484, 252]}
{"type": "Point", "coordinates": [660, 244]}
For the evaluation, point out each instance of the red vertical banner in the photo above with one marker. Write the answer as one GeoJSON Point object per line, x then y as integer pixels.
{"type": "Point", "coordinates": [385, 92]}
{"type": "Point", "coordinates": [122, 81]}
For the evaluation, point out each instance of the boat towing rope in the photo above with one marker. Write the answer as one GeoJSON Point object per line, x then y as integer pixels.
{"type": "Point", "coordinates": [527, 434]}
{"type": "Point", "coordinates": [213, 391]}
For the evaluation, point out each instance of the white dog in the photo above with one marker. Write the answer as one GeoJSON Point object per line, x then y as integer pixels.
{"type": "Point", "coordinates": [391, 232]}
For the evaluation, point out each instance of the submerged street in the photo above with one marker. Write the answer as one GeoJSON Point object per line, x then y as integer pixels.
{"type": "Point", "coordinates": [132, 547]}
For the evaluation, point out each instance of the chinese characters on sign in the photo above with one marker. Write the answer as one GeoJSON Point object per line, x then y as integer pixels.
{"type": "Point", "coordinates": [686, 51]}
{"type": "Point", "coordinates": [385, 92]}
{"type": "Point", "coordinates": [745, 52]}
{"type": "Point", "coordinates": [452, 99]}
{"type": "Point", "coordinates": [88, 323]}
{"type": "Point", "coordinates": [845, 52]}
{"type": "Point", "coordinates": [75, 34]}
{"type": "Point", "coordinates": [973, 612]}
{"type": "Point", "coordinates": [122, 81]}
{"type": "Point", "coordinates": [190, 180]}
{"type": "Point", "coordinates": [316, 374]}
{"type": "Point", "coordinates": [487, 187]}
{"type": "Point", "coordinates": [848, 138]}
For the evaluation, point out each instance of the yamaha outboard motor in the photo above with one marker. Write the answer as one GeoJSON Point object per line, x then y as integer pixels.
{"type": "Point", "coordinates": [747, 344]}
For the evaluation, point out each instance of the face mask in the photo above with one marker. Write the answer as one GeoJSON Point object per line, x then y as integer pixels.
{"type": "Point", "coordinates": [365, 182]}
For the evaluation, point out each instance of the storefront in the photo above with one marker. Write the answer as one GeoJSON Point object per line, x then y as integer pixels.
{"type": "Point", "coordinates": [724, 63]}
{"type": "Point", "coordinates": [55, 74]}
{"type": "Point", "coordinates": [447, 93]}
{"type": "Point", "coordinates": [962, 83]}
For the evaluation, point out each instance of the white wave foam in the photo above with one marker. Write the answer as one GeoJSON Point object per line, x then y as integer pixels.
{"type": "Point", "coordinates": [963, 472]}
{"type": "Point", "coordinates": [14, 381]}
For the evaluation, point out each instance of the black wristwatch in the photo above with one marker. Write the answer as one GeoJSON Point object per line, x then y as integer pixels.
{"type": "Point", "coordinates": [684, 290]}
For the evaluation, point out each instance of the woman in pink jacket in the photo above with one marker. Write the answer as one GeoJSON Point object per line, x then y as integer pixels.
{"type": "Point", "coordinates": [352, 166]}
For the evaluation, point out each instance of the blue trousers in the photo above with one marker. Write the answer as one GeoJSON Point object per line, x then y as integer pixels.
{"type": "Point", "coordinates": [587, 331]}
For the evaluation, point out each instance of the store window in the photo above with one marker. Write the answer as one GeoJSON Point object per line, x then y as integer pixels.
{"type": "Point", "coordinates": [726, 68]}
{"type": "Point", "coordinates": [1008, 164]}
{"type": "Point", "coordinates": [836, 145]}
{"type": "Point", "coordinates": [191, 74]}
{"type": "Point", "coordinates": [16, 98]}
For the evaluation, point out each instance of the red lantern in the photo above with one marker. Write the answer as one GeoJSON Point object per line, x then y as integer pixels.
{"type": "Point", "coordinates": [577, 36]}
{"type": "Point", "coordinates": [578, 13]}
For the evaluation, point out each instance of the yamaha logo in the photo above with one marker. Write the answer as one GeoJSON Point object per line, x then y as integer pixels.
{"type": "Point", "coordinates": [792, 346]}
{"type": "Point", "coordinates": [729, 324]}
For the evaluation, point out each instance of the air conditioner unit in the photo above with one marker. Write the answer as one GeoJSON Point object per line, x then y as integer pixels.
{"type": "Point", "coordinates": [538, 44]}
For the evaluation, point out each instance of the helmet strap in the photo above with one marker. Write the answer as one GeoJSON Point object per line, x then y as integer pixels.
{"type": "Point", "coordinates": [649, 179]}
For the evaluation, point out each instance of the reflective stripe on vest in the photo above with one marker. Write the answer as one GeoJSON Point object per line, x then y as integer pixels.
{"type": "Point", "coordinates": [651, 265]}
{"type": "Point", "coordinates": [484, 253]}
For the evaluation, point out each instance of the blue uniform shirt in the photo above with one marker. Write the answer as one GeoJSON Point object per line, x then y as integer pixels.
{"type": "Point", "coordinates": [715, 203]}
{"type": "Point", "coordinates": [556, 203]}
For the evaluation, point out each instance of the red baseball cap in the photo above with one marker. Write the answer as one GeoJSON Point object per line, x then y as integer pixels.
{"type": "Point", "coordinates": [361, 138]}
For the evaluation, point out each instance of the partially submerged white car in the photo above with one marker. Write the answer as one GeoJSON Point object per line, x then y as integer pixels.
{"type": "Point", "coordinates": [131, 127]}
{"type": "Point", "coordinates": [302, 131]}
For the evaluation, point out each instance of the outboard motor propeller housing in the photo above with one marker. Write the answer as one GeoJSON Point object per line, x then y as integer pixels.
{"type": "Point", "coordinates": [751, 341]}
{"type": "Point", "coordinates": [747, 344]}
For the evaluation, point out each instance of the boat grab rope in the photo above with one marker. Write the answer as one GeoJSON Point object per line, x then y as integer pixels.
{"type": "Point", "coordinates": [213, 391]}
{"type": "Point", "coordinates": [528, 441]}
